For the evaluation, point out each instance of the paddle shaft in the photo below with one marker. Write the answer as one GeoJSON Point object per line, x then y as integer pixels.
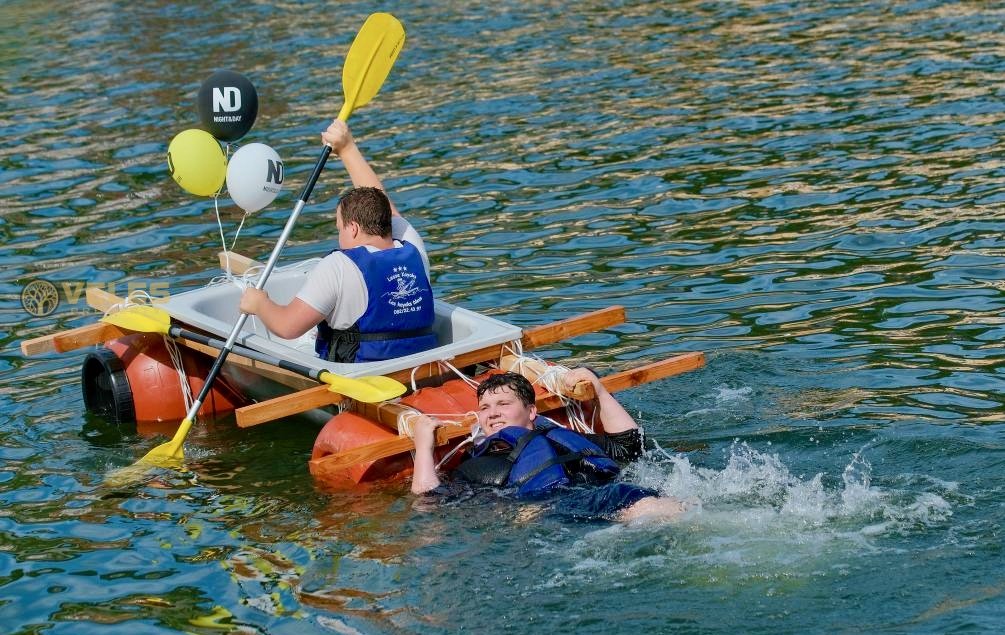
{"type": "Point", "coordinates": [269, 266]}
{"type": "Point", "coordinates": [352, 99]}
{"type": "Point", "coordinates": [177, 331]}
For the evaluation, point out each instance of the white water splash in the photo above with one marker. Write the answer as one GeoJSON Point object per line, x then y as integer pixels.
{"type": "Point", "coordinates": [723, 399]}
{"type": "Point", "coordinates": [754, 518]}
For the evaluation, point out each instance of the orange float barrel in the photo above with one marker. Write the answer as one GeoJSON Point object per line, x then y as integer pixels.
{"type": "Point", "coordinates": [133, 380]}
{"type": "Point", "coordinates": [348, 430]}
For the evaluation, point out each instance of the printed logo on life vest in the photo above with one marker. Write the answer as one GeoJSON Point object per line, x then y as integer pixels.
{"type": "Point", "coordinates": [275, 175]}
{"type": "Point", "coordinates": [226, 99]}
{"type": "Point", "coordinates": [407, 297]}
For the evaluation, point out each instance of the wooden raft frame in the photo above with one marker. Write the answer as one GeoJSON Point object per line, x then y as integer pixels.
{"type": "Point", "coordinates": [389, 415]}
{"type": "Point", "coordinates": [309, 394]}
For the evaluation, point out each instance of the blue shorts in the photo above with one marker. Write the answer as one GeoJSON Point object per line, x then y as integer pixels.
{"type": "Point", "coordinates": [603, 502]}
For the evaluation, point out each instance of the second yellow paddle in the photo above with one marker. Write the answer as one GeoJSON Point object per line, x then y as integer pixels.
{"type": "Point", "coordinates": [368, 388]}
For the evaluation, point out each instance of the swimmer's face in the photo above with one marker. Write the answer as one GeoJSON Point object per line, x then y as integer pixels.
{"type": "Point", "coordinates": [501, 408]}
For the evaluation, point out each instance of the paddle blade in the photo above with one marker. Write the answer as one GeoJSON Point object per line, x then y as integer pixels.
{"type": "Point", "coordinates": [169, 454]}
{"type": "Point", "coordinates": [142, 318]}
{"type": "Point", "coordinates": [370, 59]}
{"type": "Point", "coordinates": [366, 389]}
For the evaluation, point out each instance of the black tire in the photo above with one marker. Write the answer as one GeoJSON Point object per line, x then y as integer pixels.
{"type": "Point", "coordinates": [106, 388]}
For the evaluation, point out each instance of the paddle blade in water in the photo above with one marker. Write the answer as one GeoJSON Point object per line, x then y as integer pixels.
{"type": "Point", "coordinates": [167, 455]}
{"type": "Point", "coordinates": [142, 318]}
{"type": "Point", "coordinates": [370, 59]}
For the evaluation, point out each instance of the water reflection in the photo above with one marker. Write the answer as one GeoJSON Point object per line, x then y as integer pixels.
{"type": "Point", "coordinates": [808, 193]}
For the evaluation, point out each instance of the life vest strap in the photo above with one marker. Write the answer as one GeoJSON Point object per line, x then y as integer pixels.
{"type": "Point", "coordinates": [393, 335]}
{"type": "Point", "coordinates": [522, 443]}
{"type": "Point", "coordinates": [558, 460]}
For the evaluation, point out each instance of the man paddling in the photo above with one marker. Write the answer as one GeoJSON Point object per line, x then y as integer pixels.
{"type": "Point", "coordinates": [534, 456]}
{"type": "Point", "coordinates": [371, 298]}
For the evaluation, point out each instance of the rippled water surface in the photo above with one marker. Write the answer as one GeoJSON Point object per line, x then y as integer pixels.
{"type": "Point", "coordinates": [809, 192]}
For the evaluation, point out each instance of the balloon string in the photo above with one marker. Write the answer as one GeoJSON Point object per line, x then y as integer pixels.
{"type": "Point", "coordinates": [219, 221]}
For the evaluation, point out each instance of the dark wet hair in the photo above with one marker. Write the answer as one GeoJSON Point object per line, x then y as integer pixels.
{"type": "Point", "coordinates": [519, 384]}
{"type": "Point", "coordinates": [369, 207]}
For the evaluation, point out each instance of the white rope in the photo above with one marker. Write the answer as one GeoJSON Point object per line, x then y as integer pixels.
{"type": "Point", "coordinates": [136, 297]}
{"type": "Point", "coordinates": [406, 428]}
{"type": "Point", "coordinates": [414, 370]}
{"type": "Point", "coordinates": [515, 347]}
{"type": "Point", "coordinates": [467, 380]}
{"type": "Point", "coordinates": [476, 432]}
{"type": "Point", "coordinates": [176, 359]}
{"type": "Point", "coordinates": [552, 380]}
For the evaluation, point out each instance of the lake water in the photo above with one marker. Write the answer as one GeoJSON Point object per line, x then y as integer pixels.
{"type": "Point", "coordinates": [809, 192]}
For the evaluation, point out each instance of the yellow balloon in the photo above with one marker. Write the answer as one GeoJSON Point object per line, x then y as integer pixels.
{"type": "Point", "coordinates": [196, 161]}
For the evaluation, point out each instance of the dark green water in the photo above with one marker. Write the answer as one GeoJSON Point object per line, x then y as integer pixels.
{"type": "Point", "coordinates": [809, 192]}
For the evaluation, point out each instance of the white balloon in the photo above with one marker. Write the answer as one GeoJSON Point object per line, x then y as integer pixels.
{"type": "Point", "coordinates": [254, 176]}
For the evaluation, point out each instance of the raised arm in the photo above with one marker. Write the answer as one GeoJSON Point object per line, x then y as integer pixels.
{"type": "Point", "coordinates": [612, 414]}
{"type": "Point", "coordinates": [340, 139]}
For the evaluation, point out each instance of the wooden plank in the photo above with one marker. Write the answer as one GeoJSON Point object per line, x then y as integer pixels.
{"type": "Point", "coordinates": [286, 405]}
{"type": "Point", "coordinates": [335, 463]}
{"type": "Point", "coordinates": [618, 381]}
{"type": "Point", "coordinates": [538, 336]}
{"type": "Point", "coordinates": [654, 371]}
{"type": "Point", "coordinates": [238, 263]}
{"type": "Point", "coordinates": [637, 376]}
{"type": "Point", "coordinates": [386, 413]}
{"type": "Point", "coordinates": [82, 336]}
{"type": "Point", "coordinates": [572, 327]}
{"type": "Point", "coordinates": [275, 373]}
{"type": "Point", "coordinates": [73, 339]}
{"type": "Point", "coordinates": [100, 299]}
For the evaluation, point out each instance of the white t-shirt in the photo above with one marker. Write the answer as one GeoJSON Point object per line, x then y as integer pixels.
{"type": "Point", "coordinates": [335, 287]}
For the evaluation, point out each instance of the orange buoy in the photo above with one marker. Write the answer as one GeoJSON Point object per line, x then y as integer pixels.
{"type": "Point", "coordinates": [348, 430]}
{"type": "Point", "coordinates": [133, 380]}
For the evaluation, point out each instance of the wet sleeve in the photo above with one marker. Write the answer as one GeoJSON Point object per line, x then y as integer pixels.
{"type": "Point", "coordinates": [623, 447]}
{"type": "Point", "coordinates": [447, 492]}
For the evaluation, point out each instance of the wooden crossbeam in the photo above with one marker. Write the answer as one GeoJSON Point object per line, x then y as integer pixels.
{"type": "Point", "coordinates": [534, 369]}
{"type": "Point", "coordinates": [318, 396]}
{"type": "Point", "coordinates": [615, 382]}
{"type": "Point", "coordinates": [266, 370]}
{"type": "Point", "coordinates": [238, 263]}
{"type": "Point", "coordinates": [71, 340]}
{"type": "Point", "coordinates": [100, 299]}
{"type": "Point", "coordinates": [632, 377]}
{"type": "Point", "coordinates": [572, 327]}
{"type": "Point", "coordinates": [337, 463]}
{"type": "Point", "coordinates": [80, 337]}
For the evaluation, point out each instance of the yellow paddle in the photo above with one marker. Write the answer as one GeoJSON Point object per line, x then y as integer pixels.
{"type": "Point", "coordinates": [368, 389]}
{"type": "Point", "coordinates": [366, 67]}
{"type": "Point", "coordinates": [369, 60]}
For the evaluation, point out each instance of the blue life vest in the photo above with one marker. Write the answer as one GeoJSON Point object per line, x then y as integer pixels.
{"type": "Point", "coordinates": [399, 313]}
{"type": "Point", "coordinates": [537, 460]}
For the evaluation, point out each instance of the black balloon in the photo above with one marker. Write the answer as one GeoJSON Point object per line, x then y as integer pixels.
{"type": "Point", "coordinates": [228, 105]}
